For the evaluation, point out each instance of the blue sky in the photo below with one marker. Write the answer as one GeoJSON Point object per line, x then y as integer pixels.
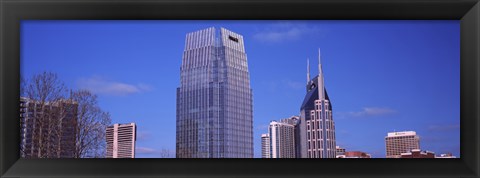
{"type": "Point", "coordinates": [381, 76]}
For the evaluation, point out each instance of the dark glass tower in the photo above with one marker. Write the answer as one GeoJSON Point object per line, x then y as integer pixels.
{"type": "Point", "coordinates": [214, 100]}
{"type": "Point", "coordinates": [317, 128]}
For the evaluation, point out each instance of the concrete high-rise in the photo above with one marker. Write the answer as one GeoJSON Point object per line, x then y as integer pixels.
{"type": "Point", "coordinates": [121, 140]}
{"type": "Point", "coordinates": [214, 99]}
{"type": "Point", "coordinates": [295, 121]}
{"type": "Point", "coordinates": [47, 129]}
{"type": "Point", "coordinates": [266, 146]}
{"type": "Point", "coordinates": [397, 143]}
{"type": "Point", "coordinates": [282, 140]}
{"type": "Point", "coordinates": [316, 122]}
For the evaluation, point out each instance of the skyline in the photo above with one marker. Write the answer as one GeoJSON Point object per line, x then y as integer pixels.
{"type": "Point", "coordinates": [102, 53]}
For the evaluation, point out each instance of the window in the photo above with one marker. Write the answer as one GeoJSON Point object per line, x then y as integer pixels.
{"type": "Point", "coordinates": [233, 38]}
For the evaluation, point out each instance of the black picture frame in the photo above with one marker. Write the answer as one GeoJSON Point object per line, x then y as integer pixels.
{"type": "Point", "coordinates": [13, 11]}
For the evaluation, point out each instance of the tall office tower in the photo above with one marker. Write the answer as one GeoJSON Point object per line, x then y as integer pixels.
{"type": "Point", "coordinates": [282, 140]}
{"type": "Point", "coordinates": [121, 140]}
{"type": "Point", "coordinates": [214, 99]}
{"type": "Point", "coordinates": [47, 129]}
{"type": "Point", "coordinates": [397, 143]}
{"type": "Point", "coordinates": [265, 146]}
{"type": "Point", "coordinates": [316, 122]}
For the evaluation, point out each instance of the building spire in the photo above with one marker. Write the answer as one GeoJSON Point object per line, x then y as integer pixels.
{"type": "Point", "coordinates": [319, 63]}
{"type": "Point", "coordinates": [308, 70]}
{"type": "Point", "coordinates": [320, 76]}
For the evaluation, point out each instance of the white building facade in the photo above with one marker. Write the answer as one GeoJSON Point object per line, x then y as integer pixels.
{"type": "Point", "coordinates": [266, 146]}
{"type": "Point", "coordinates": [121, 140]}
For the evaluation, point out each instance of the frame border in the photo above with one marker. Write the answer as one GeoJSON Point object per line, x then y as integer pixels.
{"type": "Point", "coordinates": [13, 11]}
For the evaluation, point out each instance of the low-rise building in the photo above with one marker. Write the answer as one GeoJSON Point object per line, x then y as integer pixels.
{"type": "Point", "coordinates": [356, 154]}
{"type": "Point", "coordinates": [447, 155]}
{"type": "Point", "coordinates": [417, 153]}
{"type": "Point", "coordinates": [340, 151]}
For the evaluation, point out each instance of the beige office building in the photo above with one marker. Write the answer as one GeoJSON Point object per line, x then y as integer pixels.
{"type": "Point", "coordinates": [397, 143]}
{"type": "Point", "coordinates": [121, 140]}
{"type": "Point", "coordinates": [282, 140]}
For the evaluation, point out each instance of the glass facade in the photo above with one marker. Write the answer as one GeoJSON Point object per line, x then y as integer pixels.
{"type": "Point", "coordinates": [214, 99]}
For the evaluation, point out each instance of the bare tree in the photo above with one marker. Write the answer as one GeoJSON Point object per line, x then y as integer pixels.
{"type": "Point", "coordinates": [63, 124]}
{"type": "Point", "coordinates": [44, 89]}
{"type": "Point", "coordinates": [65, 112]}
{"type": "Point", "coordinates": [166, 153]}
{"type": "Point", "coordinates": [23, 83]}
{"type": "Point", "coordinates": [91, 126]}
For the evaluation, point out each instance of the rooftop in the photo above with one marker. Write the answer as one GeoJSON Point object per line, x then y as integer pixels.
{"type": "Point", "coordinates": [403, 133]}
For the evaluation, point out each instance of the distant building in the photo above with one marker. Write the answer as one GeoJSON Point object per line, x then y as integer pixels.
{"type": "Point", "coordinates": [356, 154]}
{"type": "Point", "coordinates": [47, 133]}
{"type": "Point", "coordinates": [265, 146]}
{"type": "Point", "coordinates": [295, 121]}
{"type": "Point", "coordinates": [417, 153]}
{"type": "Point", "coordinates": [447, 155]}
{"type": "Point", "coordinates": [397, 143]}
{"type": "Point", "coordinates": [121, 140]}
{"type": "Point", "coordinates": [340, 151]}
{"type": "Point", "coordinates": [282, 140]}
{"type": "Point", "coordinates": [316, 119]}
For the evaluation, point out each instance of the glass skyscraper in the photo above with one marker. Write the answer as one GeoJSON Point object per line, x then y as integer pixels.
{"type": "Point", "coordinates": [214, 99]}
{"type": "Point", "coordinates": [316, 122]}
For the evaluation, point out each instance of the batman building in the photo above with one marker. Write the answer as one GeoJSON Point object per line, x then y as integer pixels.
{"type": "Point", "coordinates": [214, 99]}
{"type": "Point", "coordinates": [317, 128]}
